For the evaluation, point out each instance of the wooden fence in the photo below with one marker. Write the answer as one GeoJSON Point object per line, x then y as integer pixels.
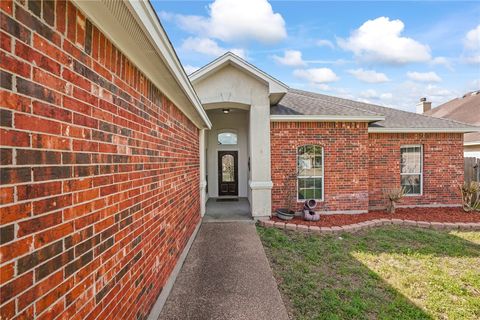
{"type": "Point", "coordinates": [472, 169]}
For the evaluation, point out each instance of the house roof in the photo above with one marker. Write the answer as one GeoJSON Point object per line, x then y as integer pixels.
{"type": "Point", "coordinates": [303, 103]}
{"type": "Point", "coordinates": [465, 109]}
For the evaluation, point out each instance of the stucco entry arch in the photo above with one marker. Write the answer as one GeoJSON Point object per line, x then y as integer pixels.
{"type": "Point", "coordinates": [230, 82]}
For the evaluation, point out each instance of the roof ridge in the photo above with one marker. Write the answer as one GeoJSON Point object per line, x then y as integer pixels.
{"type": "Point", "coordinates": [299, 92]}
{"type": "Point", "coordinates": [319, 95]}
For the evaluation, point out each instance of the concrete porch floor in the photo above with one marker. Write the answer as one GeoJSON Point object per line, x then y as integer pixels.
{"type": "Point", "coordinates": [227, 210]}
{"type": "Point", "coordinates": [226, 275]}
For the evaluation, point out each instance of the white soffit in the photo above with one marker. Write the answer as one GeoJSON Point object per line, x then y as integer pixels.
{"type": "Point", "coordinates": [136, 31]}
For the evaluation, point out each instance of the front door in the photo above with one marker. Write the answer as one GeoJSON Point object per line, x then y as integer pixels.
{"type": "Point", "coordinates": [227, 173]}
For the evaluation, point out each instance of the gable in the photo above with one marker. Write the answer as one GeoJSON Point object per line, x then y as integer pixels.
{"type": "Point", "coordinates": [236, 77]}
{"type": "Point", "coordinates": [230, 84]}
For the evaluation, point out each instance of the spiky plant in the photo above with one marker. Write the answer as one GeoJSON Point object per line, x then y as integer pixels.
{"type": "Point", "coordinates": [470, 196]}
{"type": "Point", "coordinates": [393, 196]}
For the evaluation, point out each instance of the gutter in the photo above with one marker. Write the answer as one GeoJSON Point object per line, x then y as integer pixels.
{"type": "Point", "coordinates": [420, 130]}
{"type": "Point", "coordinates": [324, 118]}
{"type": "Point", "coordinates": [474, 143]}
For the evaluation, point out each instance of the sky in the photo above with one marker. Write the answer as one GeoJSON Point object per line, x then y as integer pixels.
{"type": "Point", "coordinates": [390, 53]}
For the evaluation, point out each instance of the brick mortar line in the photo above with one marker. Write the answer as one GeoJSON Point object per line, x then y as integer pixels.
{"type": "Point", "coordinates": [151, 273]}
{"type": "Point", "coordinates": [63, 37]}
{"type": "Point", "coordinates": [16, 222]}
{"type": "Point", "coordinates": [92, 83]}
{"type": "Point", "coordinates": [82, 126]}
{"type": "Point", "coordinates": [75, 258]}
{"type": "Point", "coordinates": [77, 230]}
{"type": "Point", "coordinates": [156, 109]}
{"type": "Point", "coordinates": [73, 178]}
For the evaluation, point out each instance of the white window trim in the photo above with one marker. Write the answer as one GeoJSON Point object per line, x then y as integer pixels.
{"type": "Point", "coordinates": [415, 173]}
{"type": "Point", "coordinates": [323, 174]}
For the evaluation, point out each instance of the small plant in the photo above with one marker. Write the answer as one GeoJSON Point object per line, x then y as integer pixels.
{"type": "Point", "coordinates": [393, 196]}
{"type": "Point", "coordinates": [470, 196]}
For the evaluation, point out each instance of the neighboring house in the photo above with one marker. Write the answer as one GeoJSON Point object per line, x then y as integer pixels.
{"type": "Point", "coordinates": [106, 146]}
{"type": "Point", "coordinates": [467, 110]}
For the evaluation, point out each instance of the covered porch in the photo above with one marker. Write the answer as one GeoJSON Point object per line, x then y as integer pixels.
{"type": "Point", "coordinates": [235, 152]}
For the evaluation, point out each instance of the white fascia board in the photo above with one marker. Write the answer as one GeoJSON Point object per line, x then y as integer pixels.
{"type": "Point", "coordinates": [276, 86]}
{"type": "Point", "coordinates": [420, 130]}
{"type": "Point", "coordinates": [473, 143]}
{"type": "Point", "coordinates": [324, 118]}
{"type": "Point", "coordinates": [147, 16]}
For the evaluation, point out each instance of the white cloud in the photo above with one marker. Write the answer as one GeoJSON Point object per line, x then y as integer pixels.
{"type": "Point", "coordinates": [236, 21]}
{"type": "Point", "coordinates": [472, 39]}
{"type": "Point", "coordinates": [292, 58]}
{"type": "Point", "coordinates": [475, 84]}
{"type": "Point", "coordinates": [208, 47]}
{"type": "Point", "coordinates": [372, 94]}
{"type": "Point", "coordinates": [325, 43]}
{"type": "Point", "coordinates": [442, 61]}
{"type": "Point", "coordinates": [473, 59]}
{"type": "Point", "coordinates": [316, 75]}
{"type": "Point", "coordinates": [408, 93]}
{"type": "Point", "coordinates": [369, 76]}
{"type": "Point", "coordinates": [424, 76]}
{"type": "Point", "coordinates": [471, 43]}
{"type": "Point", "coordinates": [323, 87]}
{"type": "Point", "coordinates": [335, 62]}
{"type": "Point", "coordinates": [380, 40]}
{"type": "Point", "coordinates": [190, 69]}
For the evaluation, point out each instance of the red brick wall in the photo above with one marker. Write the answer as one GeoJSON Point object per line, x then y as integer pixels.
{"type": "Point", "coordinates": [360, 166]}
{"type": "Point", "coordinates": [442, 167]}
{"type": "Point", "coordinates": [99, 172]}
{"type": "Point", "coordinates": [345, 161]}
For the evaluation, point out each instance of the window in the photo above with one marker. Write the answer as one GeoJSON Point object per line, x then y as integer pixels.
{"type": "Point", "coordinates": [310, 172]}
{"type": "Point", "coordinates": [411, 169]}
{"type": "Point", "coordinates": [227, 138]}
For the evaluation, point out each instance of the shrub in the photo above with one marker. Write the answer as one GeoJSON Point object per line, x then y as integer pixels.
{"type": "Point", "coordinates": [470, 196]}
{"type": "Point", "coordinates": [393, 196]}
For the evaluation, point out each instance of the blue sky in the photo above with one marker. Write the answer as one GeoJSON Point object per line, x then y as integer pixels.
{"type": "Point", "coordinates": [389, 53]}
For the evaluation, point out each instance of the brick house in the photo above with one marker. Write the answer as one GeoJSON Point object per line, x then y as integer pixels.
{"type": "Point", "coordinates": [109, 153]}
{"type": "Point", "coordinates": [463, 109]}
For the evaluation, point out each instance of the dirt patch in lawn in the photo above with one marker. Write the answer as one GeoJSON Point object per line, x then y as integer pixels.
{"type": "Point", "coordinates": [454, 214]}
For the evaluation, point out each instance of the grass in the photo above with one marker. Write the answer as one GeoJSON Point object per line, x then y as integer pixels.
{"type": "Point", "coordinates": [382, 273]}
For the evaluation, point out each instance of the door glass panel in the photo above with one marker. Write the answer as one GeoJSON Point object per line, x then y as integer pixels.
{"type": "Point", "coordinates": [228, 168]}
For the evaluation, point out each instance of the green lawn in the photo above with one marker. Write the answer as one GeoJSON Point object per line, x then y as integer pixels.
{"type": "Point", "coordinates": [382, 273]}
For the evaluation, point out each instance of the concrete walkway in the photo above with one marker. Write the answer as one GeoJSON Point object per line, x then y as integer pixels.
{"type": "Point", "coordinates": [228, 210]}
{"type": "Point", "coordinates": [226, 276]}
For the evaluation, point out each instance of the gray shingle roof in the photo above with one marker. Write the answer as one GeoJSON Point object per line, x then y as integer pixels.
{"type": "Point", "coordinates": [298, 102]}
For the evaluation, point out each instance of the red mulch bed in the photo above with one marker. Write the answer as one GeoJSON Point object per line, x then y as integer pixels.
{"type": "Point", "coordinates": [417, 214]}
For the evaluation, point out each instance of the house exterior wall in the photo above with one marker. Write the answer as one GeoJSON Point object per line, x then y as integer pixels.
{"type": "Point", "coordinates": [442, 167]}
{"type": "Point", "coordinates": [99, 172]}
{"type": "Point", "coordinates": [345, 151]}
{"type": "Point", "coordinates": [359, 166]}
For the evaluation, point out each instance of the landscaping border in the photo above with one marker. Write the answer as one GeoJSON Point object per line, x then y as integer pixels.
{"type": "Point", "coordinates": [351, 228]}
